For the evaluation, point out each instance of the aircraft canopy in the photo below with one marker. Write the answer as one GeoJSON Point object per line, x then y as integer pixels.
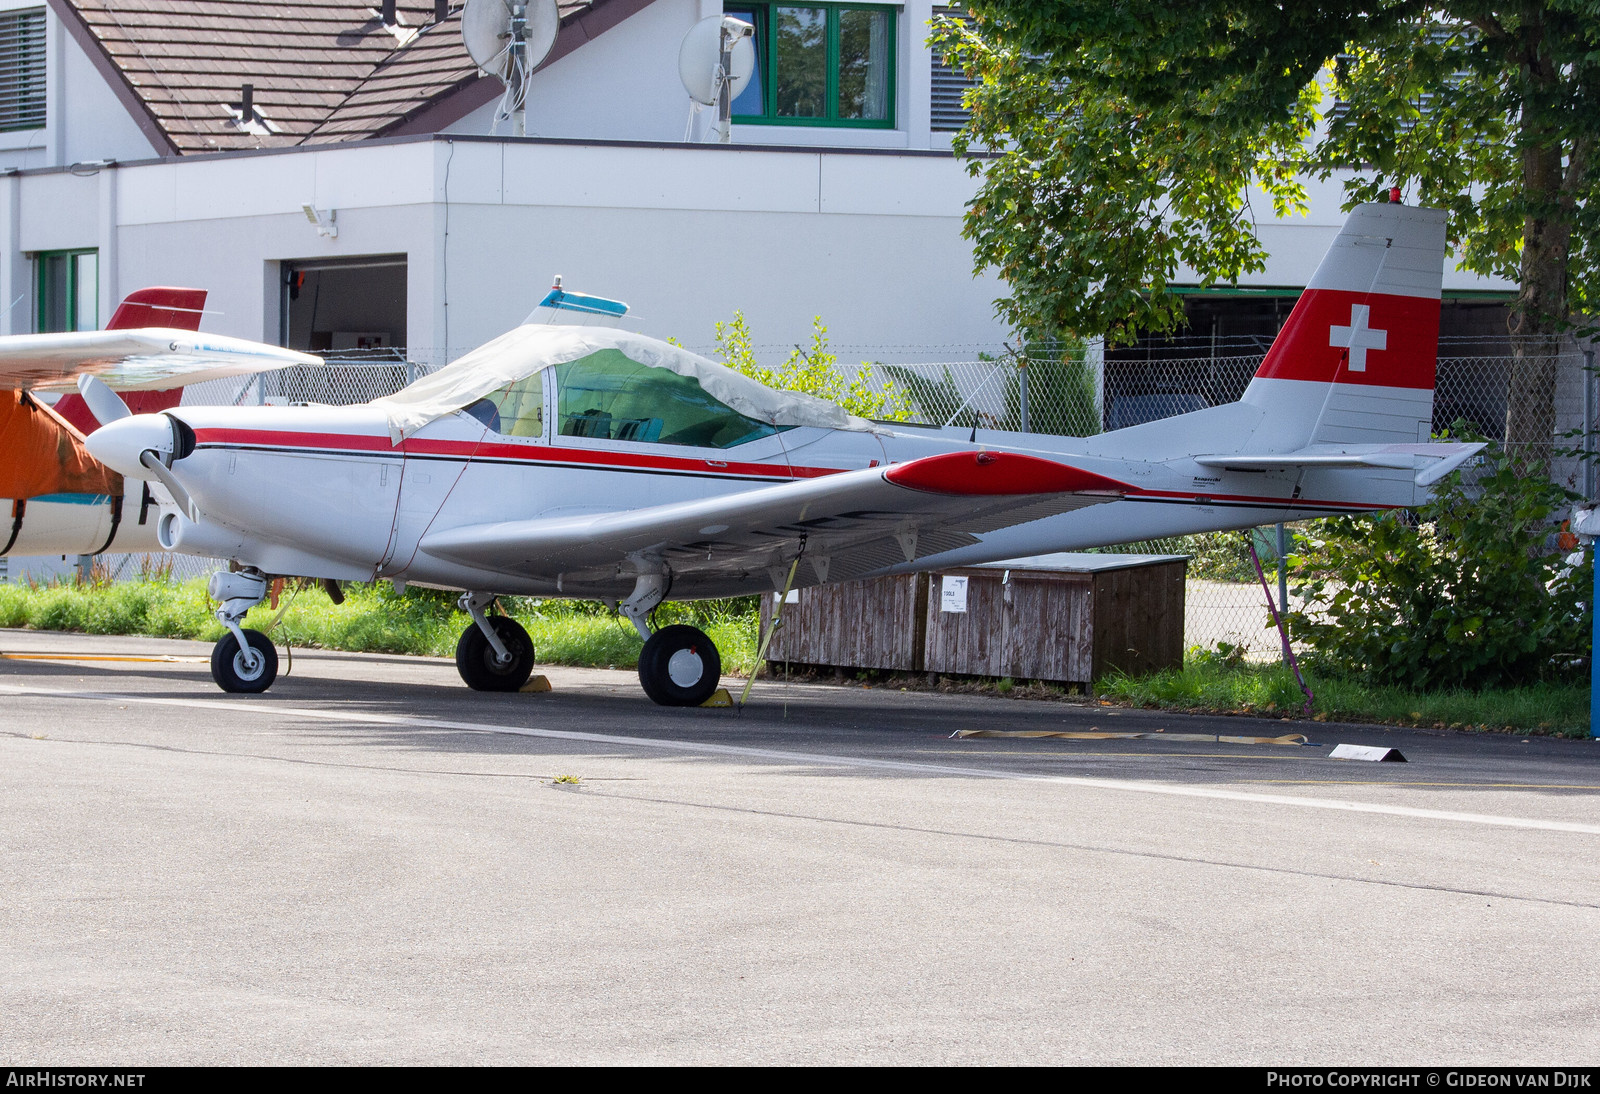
{"type": "Point", "coordinates": [522, 352]}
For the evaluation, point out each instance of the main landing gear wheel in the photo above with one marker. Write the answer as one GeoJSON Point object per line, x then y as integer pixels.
{"type": "Point", "coordinates": [482, 668]}
{"type": "Point", "coordinates": [679, 666]}
{"type": "Point", "coordinates": [235, 669]}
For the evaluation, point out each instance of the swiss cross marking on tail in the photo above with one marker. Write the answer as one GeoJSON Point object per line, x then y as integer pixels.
{"type": "Point", "coordinates": [1358, 337]}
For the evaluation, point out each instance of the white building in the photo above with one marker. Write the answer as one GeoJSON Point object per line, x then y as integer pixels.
{"type": "Point", "coordinates": [137, 155]}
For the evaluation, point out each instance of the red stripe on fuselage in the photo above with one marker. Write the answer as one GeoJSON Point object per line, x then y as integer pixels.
{"type": "Point", "coordinates": [625, 461]}
{"type": "Point", "coordinates": [490, 450]}
{"type": "Point", "coordinates": [1327, 340]}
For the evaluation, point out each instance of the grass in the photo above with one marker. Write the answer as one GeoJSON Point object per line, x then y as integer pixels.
{"type": "Point", "coordinates": [372, 618]}
{"type": "Point", "coordinates": [375, 618]}
{"type": "Point", "coordinates": [1215, 685]}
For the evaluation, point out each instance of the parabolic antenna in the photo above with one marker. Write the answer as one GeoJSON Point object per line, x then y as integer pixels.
{"type": "Point", "coordinates": [700, 59]}
{"type": "Point", "coordinates": [486, 27]}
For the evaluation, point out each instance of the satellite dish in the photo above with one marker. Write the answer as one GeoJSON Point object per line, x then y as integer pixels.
{"type": "Point", "coordinates": [486, 27]}
{"type": "Point", "coordinates": [508, 39]}
{"type": "Point", "coordinates": [700, 58]}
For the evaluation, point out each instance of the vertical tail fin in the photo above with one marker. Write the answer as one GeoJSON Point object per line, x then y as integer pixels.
{"type": "Point", "coordinates": [160, 306]}
{"type": "Point", "coordinates": [1355, 363]}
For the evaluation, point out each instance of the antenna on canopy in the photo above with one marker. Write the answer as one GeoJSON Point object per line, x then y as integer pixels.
{"type": "Point", "coordinates": [509, 39]}
{"type": "Point", "coordinates": [714, 63]}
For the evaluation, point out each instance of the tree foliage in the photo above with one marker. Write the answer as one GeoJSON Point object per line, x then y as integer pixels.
{"type": "Point", "coordinates": [1120, 142]}
{"type": "Point", "coordinates": [1469, 594]}
{"type": "Point", "coordinates": [814, 371]}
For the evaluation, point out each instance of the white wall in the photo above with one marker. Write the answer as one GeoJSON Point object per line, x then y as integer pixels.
{"type": "Point", "coordinates": [687, 235]}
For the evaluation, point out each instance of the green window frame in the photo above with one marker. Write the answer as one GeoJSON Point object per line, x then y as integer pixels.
{"type": "Point", "coordinates": [787, 82]}
{"type": "Point", "coordinates": [67, 290]}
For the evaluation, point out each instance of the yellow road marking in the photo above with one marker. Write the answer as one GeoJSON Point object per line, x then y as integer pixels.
{"type": "Point", "coordinates": [96, 657]}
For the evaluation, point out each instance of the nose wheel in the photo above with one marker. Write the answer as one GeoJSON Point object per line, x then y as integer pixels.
{"type": "Point", "coordinates": [242, 660]}
{"type": "Point", "coordinates": [249, 668]}
{"type": "Point", "coordinates": [679, 666]}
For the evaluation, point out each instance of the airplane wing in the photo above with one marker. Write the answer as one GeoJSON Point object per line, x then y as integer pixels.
{"type": "Point", "coordinates": [844, 525]}
{"type": "Point", "coordinates": [148, 359]}
{"type": "Point", "coordinates": [1432, 461]}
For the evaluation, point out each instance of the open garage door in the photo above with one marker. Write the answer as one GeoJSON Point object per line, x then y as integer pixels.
{"type": "Point", "coordinates": [352, 312]}
{"type": "Point", "coordinates": [352, 307]}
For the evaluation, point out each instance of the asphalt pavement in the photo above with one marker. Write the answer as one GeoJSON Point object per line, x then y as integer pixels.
{"type": "Point", "coordinates": [372, 864]}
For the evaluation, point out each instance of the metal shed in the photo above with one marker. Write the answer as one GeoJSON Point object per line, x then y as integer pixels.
{"type": "Point", "coordinates": [1066, 618]}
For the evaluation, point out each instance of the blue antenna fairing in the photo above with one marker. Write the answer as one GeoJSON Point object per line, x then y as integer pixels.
{"type": "Point", "coordinates": [561, 300]}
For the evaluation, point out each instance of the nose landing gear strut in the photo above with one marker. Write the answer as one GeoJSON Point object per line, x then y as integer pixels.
{"type": "Point", "coordinates": [242, 660]}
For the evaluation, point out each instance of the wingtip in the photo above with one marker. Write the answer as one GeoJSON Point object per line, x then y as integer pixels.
{"type": "Point", "coordinates": [998, 474]}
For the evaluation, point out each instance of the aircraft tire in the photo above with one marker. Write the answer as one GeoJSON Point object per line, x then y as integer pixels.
{"type": "Point", "coordinates": [680, 666]}
{"type": "Point", "coordinates": [475, 659]}
{"type": "Point", "coordinates": [232, 673]}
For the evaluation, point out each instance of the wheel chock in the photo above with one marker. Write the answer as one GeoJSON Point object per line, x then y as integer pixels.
{"type": "Point", "coordinates": [719, 698]}
{"type": "Point", "coordinates": [1367, 752]}
{"type": "Point", "coordinates": [536, 684]}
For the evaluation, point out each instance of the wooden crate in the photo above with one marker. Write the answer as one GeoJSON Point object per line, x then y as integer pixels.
{"type": "Point", "coordinates": [875, 624]}
{"type": "Point", "coordinates": [1061, 618]}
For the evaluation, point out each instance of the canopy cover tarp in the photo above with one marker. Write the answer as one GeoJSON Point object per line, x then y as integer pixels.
{"type": "Point", "coordinates": [40, 453]}
{"type": "Point", "coordinates": [527, 349]}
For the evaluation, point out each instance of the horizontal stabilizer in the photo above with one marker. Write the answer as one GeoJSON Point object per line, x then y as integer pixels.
{"type": "Point", "coordinates": [1432, 461]}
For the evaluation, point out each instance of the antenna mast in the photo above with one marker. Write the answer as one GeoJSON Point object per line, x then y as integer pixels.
{"type": "Point", "coordinates": [519, 67]}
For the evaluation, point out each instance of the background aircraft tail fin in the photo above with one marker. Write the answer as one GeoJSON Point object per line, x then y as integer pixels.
{"type": "Point", "coordinates": [160, 306]}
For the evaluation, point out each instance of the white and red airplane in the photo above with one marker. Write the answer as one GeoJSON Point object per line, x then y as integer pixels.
{"type": "Point", "coordinates": [54, 497]}
{"type": "Point", "coordinates": [598, 463]}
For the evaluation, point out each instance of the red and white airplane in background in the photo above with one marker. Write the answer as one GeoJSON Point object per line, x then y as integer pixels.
{"type": "Point", "coordinates": [55, 499]}
{"type": "Point", "coordinates": [598, 463]}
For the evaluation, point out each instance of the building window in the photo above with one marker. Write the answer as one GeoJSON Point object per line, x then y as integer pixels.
{"type": "Point", "coordinates": [68, 290]}
{"type": "Point", "coordinates": [22, 70]}
{"type": "Point", "coordinates": [819, 64]}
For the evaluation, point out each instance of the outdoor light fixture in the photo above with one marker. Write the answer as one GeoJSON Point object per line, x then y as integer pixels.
{"type": "Point", "coordinates": [324, 220]}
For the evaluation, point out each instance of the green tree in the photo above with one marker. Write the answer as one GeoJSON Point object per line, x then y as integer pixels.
{"type": "Point", "coordinates": [814, 371]}
{"type": "Point", "coordinates": [1122, 138]}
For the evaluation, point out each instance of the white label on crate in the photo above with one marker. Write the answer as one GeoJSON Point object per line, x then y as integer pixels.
{"type": "Point", "coordinates": [953, 594]}
{"type": "Point", "coordinates": [792, 596]}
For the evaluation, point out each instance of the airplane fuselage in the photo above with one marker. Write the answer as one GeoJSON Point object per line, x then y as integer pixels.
{"type": "Point", "coordinates": [322, 492]}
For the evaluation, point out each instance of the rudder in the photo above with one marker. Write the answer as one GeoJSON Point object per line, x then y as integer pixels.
{"type": "Point", "coordinates": [1356, 362]}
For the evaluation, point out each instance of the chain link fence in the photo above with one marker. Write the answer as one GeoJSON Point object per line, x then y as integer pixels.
{"type": "Point", "coordinates": [1045, 391]}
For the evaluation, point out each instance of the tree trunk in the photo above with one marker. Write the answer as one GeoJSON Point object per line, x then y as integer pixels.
{"type": "Point", "coordinates": [1541, 305]}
